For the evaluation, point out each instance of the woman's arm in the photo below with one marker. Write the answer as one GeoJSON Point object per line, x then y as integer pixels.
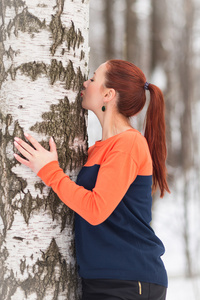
{"type": "Point", "coordinates": [115, 175]}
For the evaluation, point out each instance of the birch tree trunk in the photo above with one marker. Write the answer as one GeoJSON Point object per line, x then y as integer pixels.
{"type": "Point", "coordinates": [43, 62]}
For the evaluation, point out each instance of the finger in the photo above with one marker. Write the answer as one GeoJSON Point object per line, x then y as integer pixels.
{"type": "Point", "coordinates": [52, 145]}
{"type": "Point", "coordinates": [21, 160]}
{"type": "Point", "coordinates": [33, 141]}
{"type": "Point", "coordinates": [24, 145]}
{"type": "Point", "coordinates": [22, 150]}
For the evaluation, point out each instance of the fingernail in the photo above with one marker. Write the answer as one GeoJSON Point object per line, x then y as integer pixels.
{"type": "Point", "coordinates": [52, 139]}
{"type": "Point", "coordinates": [26, 134]}
{"type": "Point", "coordinates": [16, 139]}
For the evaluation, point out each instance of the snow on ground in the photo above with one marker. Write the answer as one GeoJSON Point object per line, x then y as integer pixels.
{"type": "Point", "coordinates": [167, 223]}
{"type": "Point", "coordinates": [181, 288]}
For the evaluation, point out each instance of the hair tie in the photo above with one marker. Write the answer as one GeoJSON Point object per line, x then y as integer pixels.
{"type": "Point", "coordinates": [146, 86]}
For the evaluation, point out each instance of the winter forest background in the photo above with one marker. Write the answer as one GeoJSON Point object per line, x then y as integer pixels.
{"type": "Point", "coordinates": [163, 39]}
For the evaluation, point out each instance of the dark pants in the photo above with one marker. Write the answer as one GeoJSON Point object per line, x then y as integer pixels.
{"type": "Point", "coordinates": [109, 289]}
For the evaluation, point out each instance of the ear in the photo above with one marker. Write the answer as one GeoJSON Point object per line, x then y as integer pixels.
{"type": "Point", "coordinates": [109, 94]}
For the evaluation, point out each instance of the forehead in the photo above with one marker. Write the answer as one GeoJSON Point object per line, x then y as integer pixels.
{"type": "Point", "coordinates": [101, 70]}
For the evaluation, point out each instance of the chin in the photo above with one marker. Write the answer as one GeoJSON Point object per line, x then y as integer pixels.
{"type": "Point", "coordinates": [83, 106]}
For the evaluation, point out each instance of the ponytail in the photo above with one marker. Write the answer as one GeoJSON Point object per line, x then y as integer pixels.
{"type": "Point", "coordinates": [156, 139]}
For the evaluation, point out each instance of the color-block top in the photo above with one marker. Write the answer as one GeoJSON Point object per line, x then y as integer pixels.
{"type": "Point", "coordinates": [113, 192]}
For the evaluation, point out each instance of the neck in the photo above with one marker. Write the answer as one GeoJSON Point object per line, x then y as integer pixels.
{"type": "Point", "coordinates": [113, 123]}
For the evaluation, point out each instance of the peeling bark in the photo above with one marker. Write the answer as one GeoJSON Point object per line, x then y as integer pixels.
{"type": "Point", "coordinates": [43, 63]}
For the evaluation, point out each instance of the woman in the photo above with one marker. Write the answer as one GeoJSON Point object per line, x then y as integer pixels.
{"type": "Point", "coordinates": [118, 254]}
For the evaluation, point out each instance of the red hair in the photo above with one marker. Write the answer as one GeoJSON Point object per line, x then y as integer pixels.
{"type": "Point", "coordinates": [128, 80]}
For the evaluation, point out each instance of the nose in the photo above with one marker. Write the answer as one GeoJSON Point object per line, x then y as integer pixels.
{"type": "Point", "coordinates": [85, 83]}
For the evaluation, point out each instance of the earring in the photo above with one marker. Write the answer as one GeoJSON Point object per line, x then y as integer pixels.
{"type": "Point", "coordinates": [103, 108]}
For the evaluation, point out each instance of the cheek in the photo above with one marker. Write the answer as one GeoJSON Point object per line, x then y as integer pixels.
{"type": "Point", "coordinates": [91, 94]}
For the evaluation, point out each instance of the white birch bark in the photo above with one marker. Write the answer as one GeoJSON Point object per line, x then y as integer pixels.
{"type": "Point", "coordinates": [43, 62]}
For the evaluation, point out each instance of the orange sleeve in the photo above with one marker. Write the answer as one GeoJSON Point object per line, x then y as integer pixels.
{"type": "Point", "coordinates": [115, 175]}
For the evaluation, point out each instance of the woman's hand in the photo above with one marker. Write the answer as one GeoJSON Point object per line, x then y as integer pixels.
{"type": "Point", "coordinates": [38, 157]}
